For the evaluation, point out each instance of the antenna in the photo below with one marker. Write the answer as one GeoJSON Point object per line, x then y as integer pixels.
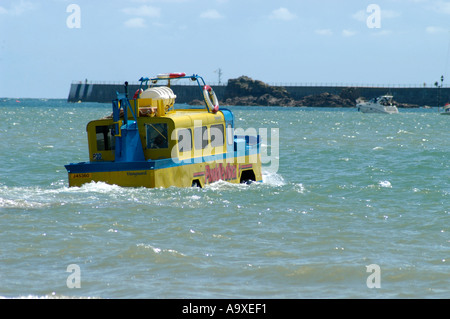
{"type": "Point", "coordinates": [219, 73]}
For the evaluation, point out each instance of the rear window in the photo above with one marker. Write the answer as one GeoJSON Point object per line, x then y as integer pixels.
{"type": "Point", "coordinates": [157, 136]}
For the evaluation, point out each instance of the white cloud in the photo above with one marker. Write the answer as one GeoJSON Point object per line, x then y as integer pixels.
{"type": "Point", "coordinates": [381, 33]}
{"type": "Point", "coordinates": [442, 7]}
{"type": "Point", "coordinates": [143, 11]}
{"type": "Point", "coordinates": [282, 14]}
{"type": "Point", "coordinates": [18, 8]}
{"type": "Point", "coordinates": [135, 23]}
{"type": "Point", "coordinates": [389, 14]}
{"type": "Point", "coordinates": [324, 32]}
{"type": "Point", "coordinates": [362, 15]}
{"type": "Point", "coordinates": [348, 33]}
{"type": "Point", "coordinates": [433, 29]}
{"type": "Point", "coordinates": [211, 14]}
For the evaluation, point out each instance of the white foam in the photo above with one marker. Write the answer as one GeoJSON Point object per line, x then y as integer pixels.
{"type": "Point", "coordinates": [299, 188]}
{"type": "Point", "coordinates": [222, 185]}
{"type": "Point", "coordinates": [19, 203]}
{"type": "Point", "coordinates": [273, 179]}
{"type": "Point", "coordinates": [99, 187]}
{"type": "Point", "coordinates": [386, 184]}
{"type": "Point", "coordinates": [157, 250]}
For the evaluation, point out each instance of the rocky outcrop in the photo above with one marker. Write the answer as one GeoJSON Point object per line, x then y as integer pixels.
{"type": "Point", "coordinates": [407, 105]}
{"type": "Point", "coordinates": [263, 100]}
{"type": "Point", "coordinates": [248, 92]}
{"type": "Point", "coordinates": [326, 100]}
{"type": "Point", "coordinates": [245, 86]}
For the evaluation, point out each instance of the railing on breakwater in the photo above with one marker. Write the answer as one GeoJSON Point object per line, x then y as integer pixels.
{"type": "Point", "coordinates": [288, 84]}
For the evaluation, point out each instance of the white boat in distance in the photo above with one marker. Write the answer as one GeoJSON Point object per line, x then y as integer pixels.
{"type": "Point", "coordinates": [382, 104]}
{"type": "Point", "coordinates": [446, 109]}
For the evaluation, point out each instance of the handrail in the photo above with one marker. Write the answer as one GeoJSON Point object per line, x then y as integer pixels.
{"type": "Point", "coordinates": [194, 77]}
{"type": "Point", "coordinates": [286, 84]}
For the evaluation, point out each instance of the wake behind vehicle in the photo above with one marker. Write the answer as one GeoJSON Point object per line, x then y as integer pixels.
{"type": "Point", "coordinates": [147, 142]}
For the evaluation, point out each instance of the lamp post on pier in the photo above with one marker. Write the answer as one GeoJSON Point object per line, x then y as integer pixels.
{"type": "Point", "coordinates": [439, 91]}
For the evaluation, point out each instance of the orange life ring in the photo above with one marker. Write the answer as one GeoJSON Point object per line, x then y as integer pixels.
{"type": "Point", "coordinates": [171, 75]}
{"type": "Point", "coordinates": [137, 93]}
{"type": "Point", "coordinates": [210, 98]}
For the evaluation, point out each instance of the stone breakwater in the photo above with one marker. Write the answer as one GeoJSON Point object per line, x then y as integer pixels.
{"type": "Point", "coordinates": [248, 92]}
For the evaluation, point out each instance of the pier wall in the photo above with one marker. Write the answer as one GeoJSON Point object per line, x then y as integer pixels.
{"type": "Point", "coordinates": [105, 93]}
{"type": "Point", "coordinates": [411, 95]}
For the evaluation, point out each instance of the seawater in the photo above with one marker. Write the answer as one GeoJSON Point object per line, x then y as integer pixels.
{"type": "Point", "coordinates": [350, 190]}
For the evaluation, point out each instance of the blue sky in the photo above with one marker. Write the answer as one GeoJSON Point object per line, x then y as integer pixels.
{"type": "Point", "coordinates": [296, 41]}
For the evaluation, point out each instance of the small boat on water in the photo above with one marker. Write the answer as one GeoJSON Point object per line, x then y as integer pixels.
{"type": "Point", "coordinates": [446, 109]}
{"type": "Point", "coordinates": [147, 142]}
{"type": "Point", "coordinates": [382, 104]}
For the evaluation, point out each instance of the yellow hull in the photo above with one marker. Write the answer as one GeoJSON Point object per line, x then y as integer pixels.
{"type": "Point", "coordinates": [186, 175]}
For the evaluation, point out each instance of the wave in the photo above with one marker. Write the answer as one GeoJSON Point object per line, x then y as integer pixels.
{"type": "Point", "coordinates": [31, 197]}
{"type": "Point", "coordinates": [20, 203]}
{"type": "Point", "coordinates": [58, 193]}
{"type": "Point", "coordinates": [157, 250]}
{"type": "Point", "coordinates": [273, 179]}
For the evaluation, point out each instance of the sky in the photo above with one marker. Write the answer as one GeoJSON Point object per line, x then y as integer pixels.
{"type": "Point", "coordinates": [45, 45]}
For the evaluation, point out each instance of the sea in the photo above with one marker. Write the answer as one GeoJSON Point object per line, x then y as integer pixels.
{"type": "Point", "coordinates": [352, 205]}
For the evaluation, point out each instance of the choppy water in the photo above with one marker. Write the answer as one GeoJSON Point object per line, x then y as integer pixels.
{"type": "Point", "coordinates": [351, 190]}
